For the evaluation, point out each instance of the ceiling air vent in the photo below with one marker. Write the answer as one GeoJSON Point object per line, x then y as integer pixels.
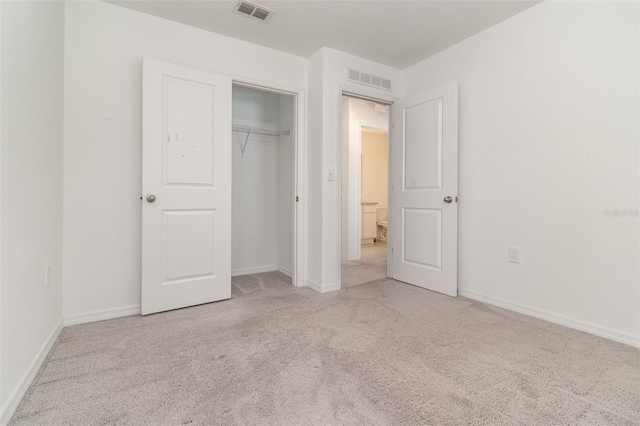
{"type": "Point", "coordinates": [254, 10]}
{"type": "Point", "coordinates": [369, 79]}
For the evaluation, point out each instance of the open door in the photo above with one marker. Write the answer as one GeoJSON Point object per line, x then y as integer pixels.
{"type": "Point", "coordinates": [186, 184]}
{"type": "Point", "coordinates": [425, 187]}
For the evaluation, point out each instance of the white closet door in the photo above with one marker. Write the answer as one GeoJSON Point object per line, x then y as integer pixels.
{"type": "Point", "coordinates": [186, 182]}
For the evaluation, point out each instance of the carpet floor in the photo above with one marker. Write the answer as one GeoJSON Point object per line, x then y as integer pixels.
{"type": "Point", "coordinates": [382, 353]}
{"type": "Point", "coordinates": [371, 266]}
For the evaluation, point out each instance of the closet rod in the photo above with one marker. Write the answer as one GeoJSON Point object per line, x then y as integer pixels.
{"type": "Point", "coordinates": [259, 130]}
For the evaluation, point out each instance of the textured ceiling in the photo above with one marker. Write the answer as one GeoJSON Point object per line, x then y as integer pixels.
{"type": "Point", "coordinates": [396, 33]}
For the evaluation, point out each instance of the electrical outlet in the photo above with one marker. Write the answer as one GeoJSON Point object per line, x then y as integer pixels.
{"type": "Point", "coordinates": [514, 255]}
{"type": "Point", "coordinates": [47, 274]}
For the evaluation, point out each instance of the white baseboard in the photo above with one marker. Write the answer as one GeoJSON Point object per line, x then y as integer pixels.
{"type": "Point", "coordinates": [254, 270]}
{"type": "Point", "coordinates": [101, 315]}
{"type": "Point", "coordinates": [345, 257]}
{"type": "Point", "coordinates": [18, 393]}
{"type": "Point", "coordinates": [285, 271]}
{"type": "Point", "coordinates": [327, 287]}
{"type": "Point", "coordinates": [314, 286]}
{"type": "Point", "coordinates": [324, 288]}
{"type": "Point", "coordinates": [125, 311]}
{"type": "Point", "coordinates": [597, 330]}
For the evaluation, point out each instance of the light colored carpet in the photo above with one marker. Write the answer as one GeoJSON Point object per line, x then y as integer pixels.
{"type": "Point", "coordinates": [374, 354]}
{"type": "Point", "coordinates": [371, 266]}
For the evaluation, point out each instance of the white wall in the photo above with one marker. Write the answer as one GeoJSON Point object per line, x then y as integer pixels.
{"type": "Point", "coordinates": [254, 231]}
{"type": "Point", "coordinates": [360, 113]}
{"type": "Point", "coordinates": [104, 46]}
{"type": "Point", "coordinates": [32, 46]}
{"type": "Point", "coordinates": [548, 143]}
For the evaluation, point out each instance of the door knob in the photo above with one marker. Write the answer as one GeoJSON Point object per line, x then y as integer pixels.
{"type": "Point", "coordinates": [447, 199]}
{"type": "Point", "coordinates": [152, 198]}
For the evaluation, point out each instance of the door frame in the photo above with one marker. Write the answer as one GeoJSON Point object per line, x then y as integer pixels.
{"type": "Point", "coordinates": [299, 272]}
{"type": "Point", "coordinates": [359, 92]}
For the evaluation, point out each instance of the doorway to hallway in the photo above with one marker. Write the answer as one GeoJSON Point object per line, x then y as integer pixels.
{"type": "Point", "coordinates": [371, 266]}
{"type": "Point", "coordinates": [364, 190]}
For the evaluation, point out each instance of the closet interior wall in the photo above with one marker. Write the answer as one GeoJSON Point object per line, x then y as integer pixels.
{"type": "Point", "coordinates": [263, 176]}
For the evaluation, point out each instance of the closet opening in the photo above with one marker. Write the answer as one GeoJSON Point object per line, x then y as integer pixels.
{"type": "Point", "coordinates": [364, 190]}
{"type": "Point", "coordinates": [263, 231]}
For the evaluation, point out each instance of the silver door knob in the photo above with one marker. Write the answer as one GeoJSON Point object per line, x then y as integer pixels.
{"type": "Point", "coordinates": [448, 199]}
{"type": "Point", "coordinates": [152, 198]}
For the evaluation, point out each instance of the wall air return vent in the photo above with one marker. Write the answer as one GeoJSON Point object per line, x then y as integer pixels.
{"type": "Point", "coordinates": [369, 79]}
{"type": "Point", "coordinates": [254, 10]}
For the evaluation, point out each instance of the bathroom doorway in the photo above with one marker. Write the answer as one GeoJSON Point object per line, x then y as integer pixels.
{"type": "Point", "coordinates": [364, 190]}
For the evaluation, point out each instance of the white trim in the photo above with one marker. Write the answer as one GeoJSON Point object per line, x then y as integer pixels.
{"type": "Point", "coordinates": [345, 257]}
{"type": "Point", "coordinates": [607, 333]}
{"type": "Point", "coordinates": [370, 92]}
{"type": "Point", "coordinates": [327, 287]}
{"type": "Point", "coordinates": [260, 270]}
{"type": "Point", "coordinates": [314, 286]}
{"type": "Point", "coordinates": [18, 393]}
{"type": "Point", "coordinates": [349, 258]}
{"type": "Point", "coordinates": [356, 233]}
{"type": "Point", "coordinates": [254, 270]}
{"type": "Point", "coordinates": [284, 271]}
{"type": "Point", "coordinates": [322, 288]}
{"type": "Point", "coordinates": [260, 83]}
{"type": "Point", "coordinates": [101, 315]}
{"type": "Point", "coordinates": [299, 265]}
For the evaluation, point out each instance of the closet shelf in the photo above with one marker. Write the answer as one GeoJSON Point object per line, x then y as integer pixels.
{"type": "Point", "coordinates": [255, 130]}
{"type": "Point", "coordinates": [259, 130]}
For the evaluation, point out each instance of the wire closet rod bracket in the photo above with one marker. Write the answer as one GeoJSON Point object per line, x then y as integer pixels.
{"type": "Point", "coordinates": [266, 131]}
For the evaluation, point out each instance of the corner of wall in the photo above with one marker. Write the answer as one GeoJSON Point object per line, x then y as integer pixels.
{"type": "Point", "coordinates": [31, 158]}
{"type": "Point", "coordinates": [314, 167]}
{"type": "Point", "coordinates": [8, 410]}
{"type": "Point", "coordinates": [322, 288]}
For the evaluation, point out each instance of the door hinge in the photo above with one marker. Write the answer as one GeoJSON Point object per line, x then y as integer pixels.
{"type": "Point", "coordinates": [297, 199]}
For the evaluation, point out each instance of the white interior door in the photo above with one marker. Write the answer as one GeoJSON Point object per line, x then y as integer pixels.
{"type": "Point", "coordinates": [186, 183]}
{"type": "Point", "coordinates": [425, 186]}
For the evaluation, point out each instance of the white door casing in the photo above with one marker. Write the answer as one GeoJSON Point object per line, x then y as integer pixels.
{"type": "Point", "coordinates": [425, 172]}
{"type": "Point", "coordinates": [186, 166]}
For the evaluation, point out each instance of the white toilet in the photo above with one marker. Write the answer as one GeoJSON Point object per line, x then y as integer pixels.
{"type": "Point", "coordinates": [381, 220]}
